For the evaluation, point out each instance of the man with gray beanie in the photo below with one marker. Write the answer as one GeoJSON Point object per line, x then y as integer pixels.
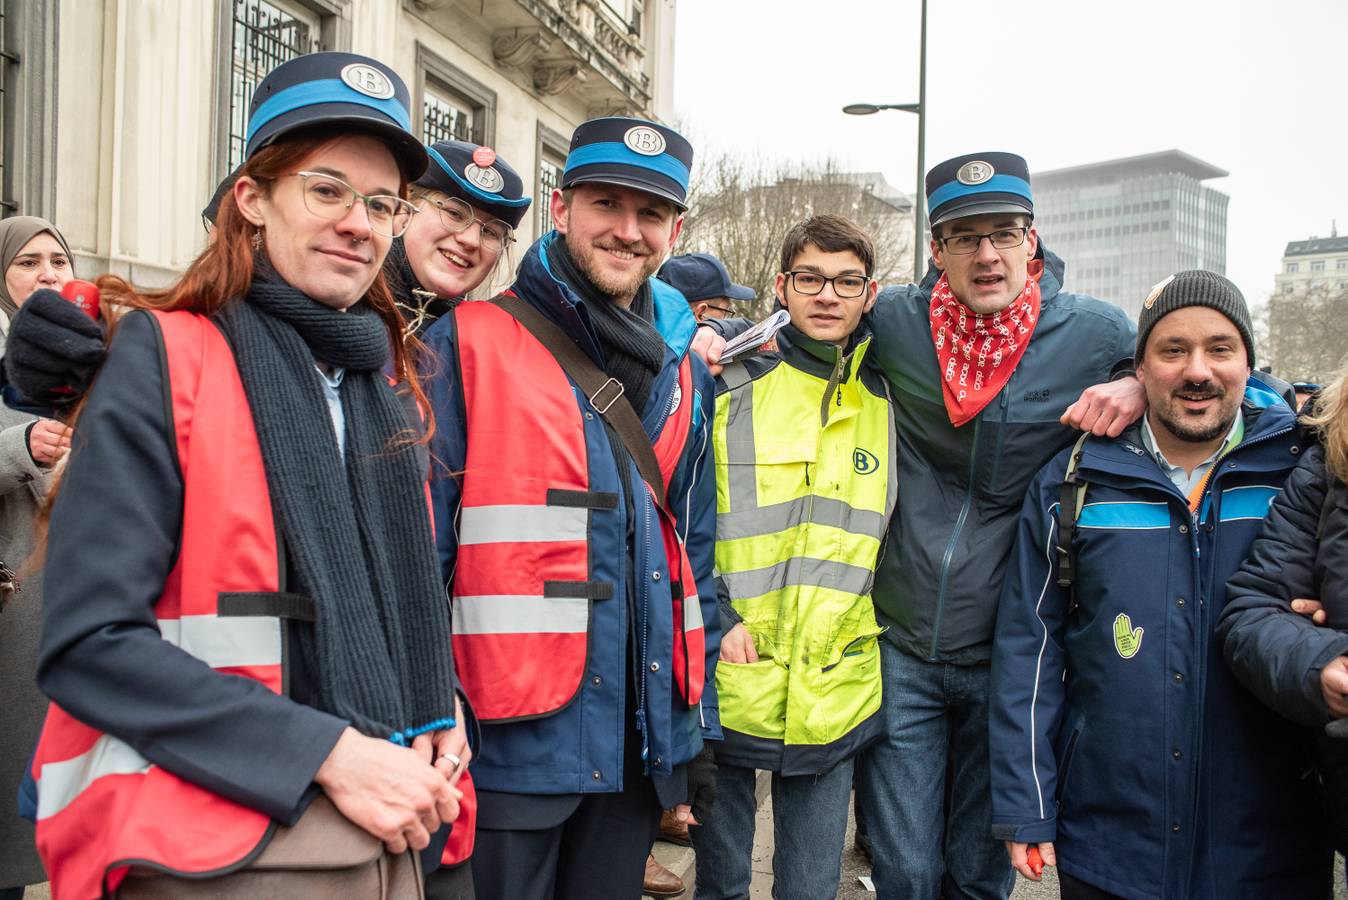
{"type": "Point", "coordinates": [1123, 751]}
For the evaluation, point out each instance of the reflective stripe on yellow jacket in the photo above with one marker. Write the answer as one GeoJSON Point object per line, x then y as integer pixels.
{"type": "Point", "coordinates": [806, 482]}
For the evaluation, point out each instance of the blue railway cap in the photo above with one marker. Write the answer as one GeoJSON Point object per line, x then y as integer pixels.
{"type": "Point", "coordinates": [701, 276]}
{"type": "Point", "coordinates": [477, 176]}
{"type": "Point", "coordinates": [633, 153]}
{"type": "Point", "coordinates": [979, 183]}
{"type": "Point", "coordinates": [344, 90]}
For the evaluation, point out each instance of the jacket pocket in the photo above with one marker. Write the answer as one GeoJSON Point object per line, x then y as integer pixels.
{"type": "Point", "coordinates": [1065, 758]}
{"type": "Point", "coordinates": [752, 697]}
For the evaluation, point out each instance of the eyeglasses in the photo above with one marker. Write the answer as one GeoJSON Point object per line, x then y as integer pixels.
{"type": "Point", "coordinates": [458, 216]}
{"type": "Point", "coordinates": [847, 287]}
{"type": "Point", "coordinates": [1002, 239]}
{"type": "Point", "coordinates": [329, 197]}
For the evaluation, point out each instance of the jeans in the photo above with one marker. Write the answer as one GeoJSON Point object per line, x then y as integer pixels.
{"type": "Point", "coordinates": [809, 819]}
{"type": "Point", "coordinates": [926, 791]}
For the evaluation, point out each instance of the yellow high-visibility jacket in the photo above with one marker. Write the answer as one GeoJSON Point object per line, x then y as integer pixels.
{"type": "Point", "coordinates": [805, 484]}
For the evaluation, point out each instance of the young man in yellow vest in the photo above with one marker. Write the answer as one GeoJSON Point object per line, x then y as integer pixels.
{"type": "Point", "coordinates": [803, 443]}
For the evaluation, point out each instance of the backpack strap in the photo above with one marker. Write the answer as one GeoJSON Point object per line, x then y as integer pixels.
{"type": "Point", "coordinates": [1071, 498]}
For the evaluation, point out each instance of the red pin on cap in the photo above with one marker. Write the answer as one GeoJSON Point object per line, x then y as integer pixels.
{"type": "Point", "coordinates": [484, 157]}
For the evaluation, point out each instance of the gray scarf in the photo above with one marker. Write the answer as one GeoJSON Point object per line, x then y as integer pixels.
{"type": "Point", "coordinates": [633, 349]}
{"type": "Point", "coordinates": [357, 530]}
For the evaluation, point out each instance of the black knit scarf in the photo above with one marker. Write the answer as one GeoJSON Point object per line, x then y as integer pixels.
{"type": "Point", "coordinates": [357, 530]}
{"type": "Point", "coordinates": [419, 307]}
{"type": "Point", "coordinates": [633, 349]}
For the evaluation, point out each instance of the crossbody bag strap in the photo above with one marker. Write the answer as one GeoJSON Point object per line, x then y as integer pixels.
{"type": "Point", "coordinates": [606, 394]}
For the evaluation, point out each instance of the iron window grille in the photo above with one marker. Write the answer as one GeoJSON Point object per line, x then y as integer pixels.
{"type": "Point", "coordinates": [265, 34]}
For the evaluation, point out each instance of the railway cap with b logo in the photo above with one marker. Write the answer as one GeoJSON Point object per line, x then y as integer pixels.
{"type": "Point", "coordinates": [977, 184]}
{"type": "Point", "coordinates": [477, 176]}
{"type": "Point", "coordinates": [340, 91]}
{"type": "Point", "coordinates": [633, 153]}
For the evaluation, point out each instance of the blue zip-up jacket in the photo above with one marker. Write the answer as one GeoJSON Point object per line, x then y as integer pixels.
{"type": "Point", "coordinates": [579, 748]}
{"type": "Point", "coordinates": [1116, 729]}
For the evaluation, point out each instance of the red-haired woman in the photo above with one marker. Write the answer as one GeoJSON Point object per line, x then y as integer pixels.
{"type": "Point", "coordinates": [244, 611]}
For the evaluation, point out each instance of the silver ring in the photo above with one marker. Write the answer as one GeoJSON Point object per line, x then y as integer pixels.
{"type": "Point", "coordinates": [454, 759]}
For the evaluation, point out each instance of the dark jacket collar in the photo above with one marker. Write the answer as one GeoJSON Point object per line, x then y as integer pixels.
{"type": "Point", "coordinates": [538, 283]}
{"type": "Point", "coordinates": [820, 358]}
{"type": "Point", "coordinates": [1126, 456]}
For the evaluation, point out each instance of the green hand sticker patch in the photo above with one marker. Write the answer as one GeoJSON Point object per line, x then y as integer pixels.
{"type": "Point", "coordinates": [1127, 639]}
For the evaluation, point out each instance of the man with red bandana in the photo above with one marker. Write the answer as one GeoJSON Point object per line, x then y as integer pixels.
{"type": "Point", "coordinates": [982, 358]}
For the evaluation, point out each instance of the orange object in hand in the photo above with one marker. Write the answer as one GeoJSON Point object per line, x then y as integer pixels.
{"type": "Point", "coordinates": [1034, 860]}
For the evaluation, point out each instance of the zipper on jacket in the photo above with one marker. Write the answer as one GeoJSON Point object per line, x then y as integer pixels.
{"type": "Point", "coordinates": [954, 537]}
{"type": "Point", "coordinates": [834, 384]}
{"type": "Point", "coordinates": [644, 628]}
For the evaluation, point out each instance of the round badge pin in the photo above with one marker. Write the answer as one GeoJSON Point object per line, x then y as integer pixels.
{"type": "Point", "coordinates": [975, 172]}
{"type": "Point", "coordinates": [484, 157]}
{"type": "Point", "coordinates": [645, 140]}
{"type": "Point", "coordinates": [1156, 292]}
{"type": "Point", "coordinates": [484, 178]}
{"type": "Point", "coordinates": [368, 80]}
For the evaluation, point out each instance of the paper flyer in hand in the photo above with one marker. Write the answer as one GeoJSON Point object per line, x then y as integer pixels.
{"type": "Point", "coordinates": [752, 341]}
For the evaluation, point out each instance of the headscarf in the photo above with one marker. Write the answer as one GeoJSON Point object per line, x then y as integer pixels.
{"type": "Point", "coordinates": [15, 233]}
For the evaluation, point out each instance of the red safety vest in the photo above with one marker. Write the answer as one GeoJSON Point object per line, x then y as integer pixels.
{"type": "Point", "coordinates": [522, 587]}
{"type": "Point", "coordinates": [102, 806]}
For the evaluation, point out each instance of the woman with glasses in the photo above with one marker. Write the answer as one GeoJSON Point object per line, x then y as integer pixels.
{"type": "Point", "coordinates": [260, 647]}
{"type": "Point", "coordinates": [469, 203]}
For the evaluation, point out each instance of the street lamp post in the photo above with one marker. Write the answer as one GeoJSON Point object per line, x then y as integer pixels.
{"type": "Point", "coordinates": [919, 109]}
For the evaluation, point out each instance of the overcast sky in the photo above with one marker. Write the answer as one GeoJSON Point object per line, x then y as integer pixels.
{"type": "Point", "coordinates": [1259, 89]}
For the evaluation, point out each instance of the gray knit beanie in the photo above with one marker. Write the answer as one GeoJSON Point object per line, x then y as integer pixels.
{"type": "Point", "coordinates": [1196, 287]}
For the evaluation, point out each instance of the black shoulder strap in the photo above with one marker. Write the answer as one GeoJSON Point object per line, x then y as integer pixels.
{"type": "Point", "coordinates": [605, 393]}
{"type": "Point", "coordinates": [1071, 497]}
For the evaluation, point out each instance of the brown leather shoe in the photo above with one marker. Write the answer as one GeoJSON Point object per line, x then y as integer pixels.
{"type": "Point", "coordinates": [659, 881]}
{"type": "Point", "coordinates": [672, 830]}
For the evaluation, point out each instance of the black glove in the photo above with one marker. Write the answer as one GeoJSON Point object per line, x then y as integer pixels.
{"type": "Point", "coordinates": [53, 350]}
{"type": "Point", "coordinates": [702, 783]}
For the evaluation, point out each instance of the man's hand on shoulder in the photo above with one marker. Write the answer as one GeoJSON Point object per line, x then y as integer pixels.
{"type": "Point", "coordinates": [1312, 609]}
{"type": "Point", "coordinates": [1106, 409]}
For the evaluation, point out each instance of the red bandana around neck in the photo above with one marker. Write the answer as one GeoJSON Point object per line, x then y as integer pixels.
{"type": "Point", "coordinates": [978, 353]}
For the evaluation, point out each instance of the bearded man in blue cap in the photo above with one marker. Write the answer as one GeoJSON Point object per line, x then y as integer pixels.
{"type": "Point", "coordinates": [574, 522]}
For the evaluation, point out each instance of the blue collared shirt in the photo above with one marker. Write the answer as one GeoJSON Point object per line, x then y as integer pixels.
{"type": "Point", "coordinates": [1187, 481]}
{"type": "Point", "coordinates": [332, 392]}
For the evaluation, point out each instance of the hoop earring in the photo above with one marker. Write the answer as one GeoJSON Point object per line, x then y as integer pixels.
{"type": "Point", "coordinates": [257, 240]}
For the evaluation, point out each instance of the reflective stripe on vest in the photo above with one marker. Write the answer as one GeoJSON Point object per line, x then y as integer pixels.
{"type": "Point", "coordinates": [806, 483]}
{"type": "Point", "coordinates": [522, 590]}
{"type": "Point", "coordinates": [101, 805]}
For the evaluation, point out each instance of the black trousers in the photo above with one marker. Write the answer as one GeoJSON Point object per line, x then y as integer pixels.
{"type": "Point", "coordinates": [599, 851]}
{"type": "Point", "coordinates": [1070, 888]}
{"type": "Point", "coordinates": [450, 884]}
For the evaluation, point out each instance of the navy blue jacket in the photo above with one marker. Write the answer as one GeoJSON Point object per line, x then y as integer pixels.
{"type": "Point", "coordinates": [580, 748]}
{"type": "Point", "coordinates": [1276, 653]}
{"type": "Point", "coordinates": [1153, 772]}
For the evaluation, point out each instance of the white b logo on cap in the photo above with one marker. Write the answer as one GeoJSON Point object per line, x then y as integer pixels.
{"type": "Point", "coordinates": [975, 172]}
{"type": "Point", "coordinates": [368, 80]}
{"type": "Point", "coordinates": [645, 140]}
{"type": "Point", "coordinates": [486, 179]}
